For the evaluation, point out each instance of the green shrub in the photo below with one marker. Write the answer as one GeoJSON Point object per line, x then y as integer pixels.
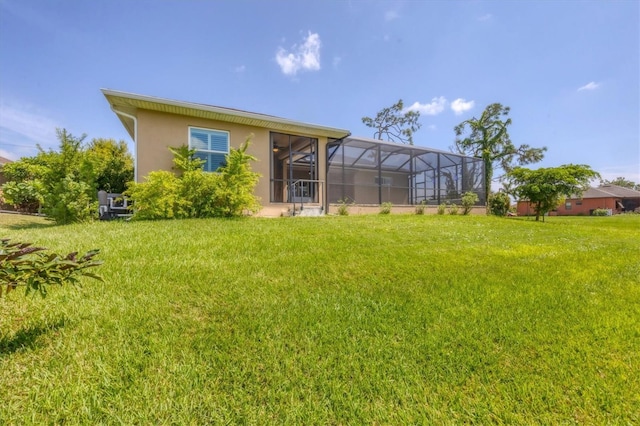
{"type": "Point", "coordinates": [23, 196]}
{"type": "Point", "coordinates": [65, 182]}
{"type": "Point", "coordinates": [453, 209]}
{"type": "Point", "coordinates": [185, 160]}
{"type": "Point", "coordinates": [499, 203]}
{"type": "Point", "coordinates": [156, 198]}
{"type": "Point", "coordinates": [343, 207]}
{"type": "Point", "coordinates": [420, 208]}
{"type": "Point", "coordinates": [442, 208]}
{"type": "Point", "coordinates": [385, 208]}
{"type": "Point", "coordinates": [469, 199]}
{"type": "Point", "coordinates": [68, 201]}
{"type": "Point", "coordinates": [24, 265]}
{"type": "Point", "coordinates": [234, 195]}
{"type": "Point", "coordinates": [600, 212]}
{"type": "Point", "coordinates": [197, 194]}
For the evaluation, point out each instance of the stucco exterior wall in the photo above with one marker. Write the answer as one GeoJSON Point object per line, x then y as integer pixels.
{"type": "Point", "coordinates": [158, 131]}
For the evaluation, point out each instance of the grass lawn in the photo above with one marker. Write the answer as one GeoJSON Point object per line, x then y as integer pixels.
{"type": "Point", "coordinates": [334, 320]}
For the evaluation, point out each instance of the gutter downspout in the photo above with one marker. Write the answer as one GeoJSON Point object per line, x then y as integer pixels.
{"type": "Point", "coordinates": [135, 140]}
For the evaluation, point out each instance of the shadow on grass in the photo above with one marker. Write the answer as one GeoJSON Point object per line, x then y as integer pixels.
{"type": "Point", "coordinates": [17, 221]}
{"type": "Point", "coordinates": [27, 338]}
{"type": "Point", "coordinates": [19, 226]}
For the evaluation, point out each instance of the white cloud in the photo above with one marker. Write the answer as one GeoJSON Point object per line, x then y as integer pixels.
{"type": "Point", "coordinates": [305, 57]}
{"type": "Point", "coordinates": [240, 69]}
{"type": "Point", "coordinates": [336, 61]}
{"type": "Point", "coordinates": [390, 15]}
{"type": "Point", "coordinates": [485, 17]}
{"type": "Point", "coordinates": [589, 86]}
{"type": "Point", "coordinates": [28, 123]}
{"type": "Point", "coordinates": [460, 106]}
{"type": "Point", "coordinates": [432, 127]}
{"type": "Point", "coordinates": [435, 107]}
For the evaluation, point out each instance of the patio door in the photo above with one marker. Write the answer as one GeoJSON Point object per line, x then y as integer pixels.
{"type": "Point", "coordinates": [294, 168]}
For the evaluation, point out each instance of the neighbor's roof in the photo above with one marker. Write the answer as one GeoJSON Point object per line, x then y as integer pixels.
{"type": "Point", "coordinates": [608, 191]}
{"type": "Point", "coordinates": [4, 160]}
{"type": "Point", "coordinates": [129, 103]}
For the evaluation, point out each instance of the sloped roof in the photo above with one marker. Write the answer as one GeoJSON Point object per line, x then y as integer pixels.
{"type": "Point", "coordinates": [4, 160]}
{"type": "Point", "coordinates": [608, 191]}
{"type": "Point", "coordinates": [129, 103]}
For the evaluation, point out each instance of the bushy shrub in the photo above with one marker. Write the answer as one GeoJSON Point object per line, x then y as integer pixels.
{"type": "Point", "coordinates": [442, 208]}
{"type": "Point", "coordinates": [21, 264]}
{"type": "Point", "coordinates": [185, 160]}
{"type": "Point", "coordinates": [234, 195]}
{"type": "Point", "coordinates": [69, 201]}
{"type": "Point", "coordinates": [157, 197]}
{"type": "Point", "coordinates": [600, 212]}
{"type": "Point", "coordinates": [65, 182]}
{"type": "Point", "coordinates": [197, 194]}
{"type": "Point", "coordinates": [453, 209]}
{"type": "Point", "coordinates": [420, 208]}
{"type": "Point", "coordinates": [499, 203]}
{"type": "Point", "coordinates": [385, 208]}
{"type": "Point", "coordinates": [343, 207]}
{"type": "Point", "coordinates": [24, 196]}
{"type": "Point", "coordinates": [469, 199]}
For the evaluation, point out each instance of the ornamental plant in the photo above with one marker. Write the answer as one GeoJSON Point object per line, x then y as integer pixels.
{"type": "Point", "coordinates": [22, 264]}
{"type": "Point", "coordinates": [469, 199]}
{"type": "Point", "coordinates": [194, 193]}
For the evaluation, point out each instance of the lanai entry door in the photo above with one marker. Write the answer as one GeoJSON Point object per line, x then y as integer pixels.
{"type": "Point", "coordinates": [294, 169]}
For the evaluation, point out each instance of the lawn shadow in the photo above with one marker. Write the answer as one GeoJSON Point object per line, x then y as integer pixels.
{"type": "Point", "coordinates": [17, 221]}
{"type": "Point", "coordinates": [27, 338]}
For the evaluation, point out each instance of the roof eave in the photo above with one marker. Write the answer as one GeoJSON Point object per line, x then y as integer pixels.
{"type": "Point", "coordinates": [130, 103]}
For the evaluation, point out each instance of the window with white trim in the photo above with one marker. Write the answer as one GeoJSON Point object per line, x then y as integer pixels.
{"type": "Point", "coordinates": [211, 146]}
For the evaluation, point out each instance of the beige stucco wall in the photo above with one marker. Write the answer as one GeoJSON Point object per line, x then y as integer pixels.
{"type": "Point", "coordinates": [158, 131]}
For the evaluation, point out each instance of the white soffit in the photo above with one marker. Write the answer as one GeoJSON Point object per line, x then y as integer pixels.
{"type": "Point", "coordinates": [129, 103]}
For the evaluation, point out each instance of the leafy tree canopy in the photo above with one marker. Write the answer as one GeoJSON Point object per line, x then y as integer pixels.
{"type": "Point", "coordinates": [65, 181]}
{"type": "Point", "coordinates": [621, 181]}
{"type": "Point", "coordinates": [488, 138]}
{"type": "Point", "coordinates": [546, 188]}
{"type": "Point", "coordinates": [394, 123]}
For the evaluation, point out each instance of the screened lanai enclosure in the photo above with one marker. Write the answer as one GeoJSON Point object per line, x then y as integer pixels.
{"type": "Point", "coordinates": [367, 171]}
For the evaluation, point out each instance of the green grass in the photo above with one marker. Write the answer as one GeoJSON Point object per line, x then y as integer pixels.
{"type": "Point", "coordinates": [335, 320]}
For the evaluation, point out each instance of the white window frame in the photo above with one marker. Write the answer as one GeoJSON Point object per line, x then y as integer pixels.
{"type": "Point", "coordinates": [209, 151]}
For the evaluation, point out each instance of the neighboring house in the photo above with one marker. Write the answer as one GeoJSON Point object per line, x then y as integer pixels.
{"type": "Point", "coordinates": [617, 199]}
{"type": "Point", "coordinates": [299, 162]}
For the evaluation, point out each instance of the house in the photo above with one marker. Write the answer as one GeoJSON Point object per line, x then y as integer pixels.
{"type": "Point", "coordinates": [300, 163]}
{"type": "Point", "coordinates": [616, 199]}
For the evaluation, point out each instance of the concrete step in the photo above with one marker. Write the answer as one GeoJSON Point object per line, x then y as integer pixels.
{"type": "Point", "coordinates": [309, 211]}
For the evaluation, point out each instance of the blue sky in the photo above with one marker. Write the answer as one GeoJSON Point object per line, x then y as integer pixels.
{"type": "Point", "coordinates": [569, 70]}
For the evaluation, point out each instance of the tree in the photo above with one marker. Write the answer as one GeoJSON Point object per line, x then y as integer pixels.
{"type": "Point", "coordinates": [621, 181]}
{"type": "Point", "coordinates": [110, 164]}
{"type": "Point", "coordinates": [65, 181]}
{"type": "Point", "coordinates": [546, 188]}
{"type": "Point", "coordinates": [488, 138]}
{"type": "Point", "coordinates": [394, 123]}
